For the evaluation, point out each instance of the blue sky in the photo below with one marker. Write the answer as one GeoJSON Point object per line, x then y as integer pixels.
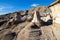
{"type": "Point", "coordinates": [7, 6]}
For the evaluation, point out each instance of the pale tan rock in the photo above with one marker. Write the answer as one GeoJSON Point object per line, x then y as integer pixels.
{"type": "Point", "coordinates": [56, 19]}
{"type": "Point", "coordinates": [35, 29]}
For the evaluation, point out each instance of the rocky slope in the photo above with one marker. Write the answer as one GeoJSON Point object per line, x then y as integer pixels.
{"type": "Point", "coordinates": [33, 24]}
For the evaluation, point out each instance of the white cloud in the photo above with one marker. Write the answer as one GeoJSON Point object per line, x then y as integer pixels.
{"type": "Point", "coordinates": [35, 5]}
{"type": "Point", "coordinates": [1, 8]}
{"type": "Point", "coordinates": [5, 9]}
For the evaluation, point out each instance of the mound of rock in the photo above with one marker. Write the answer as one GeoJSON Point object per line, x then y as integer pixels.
{"type": "Point", "coordinates": [33, 24]}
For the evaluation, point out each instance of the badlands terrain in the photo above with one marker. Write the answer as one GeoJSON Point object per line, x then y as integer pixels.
{"type": "Point", "coordinates": [38, 23]}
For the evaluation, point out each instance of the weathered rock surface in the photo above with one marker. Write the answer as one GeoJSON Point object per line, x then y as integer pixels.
{"type": "Point", "coordinates": [19, 25]}
{"type": "Point", "coordinates": [56, 19]}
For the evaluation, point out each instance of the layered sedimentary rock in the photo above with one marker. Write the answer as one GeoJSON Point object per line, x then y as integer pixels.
{"type": "Point", "coordinates": [33, 24]}
{"type": "Point", "coordinates": [56, 19]}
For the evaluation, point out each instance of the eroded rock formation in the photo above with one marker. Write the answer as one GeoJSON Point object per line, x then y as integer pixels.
{"type": "Point", "coordinates": [56, 19]}
{"type": "Point", "coordinates": [33, 24]}
{"type": "Point", "coordinates": [28, 25]}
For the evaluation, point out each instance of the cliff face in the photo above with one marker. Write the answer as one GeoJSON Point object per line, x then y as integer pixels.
{"type": "Point", "coordinates": [33, 24]}
{"type": "Point", "coordinates": [56, 19]}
